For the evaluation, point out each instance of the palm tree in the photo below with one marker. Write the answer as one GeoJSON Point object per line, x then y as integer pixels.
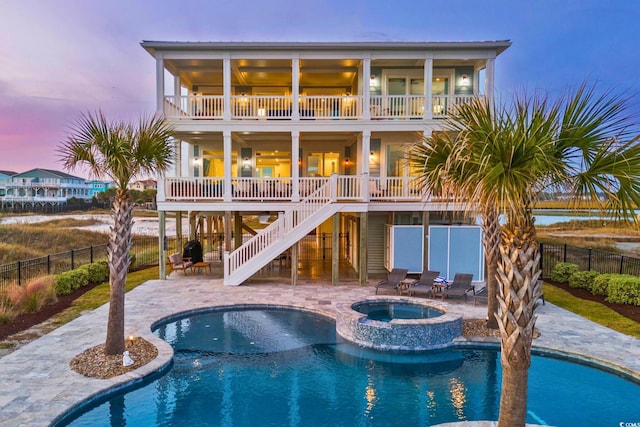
{"type": "Point", "coordinates": [120, 151]}
{"type": "Point", "coordinates": [506, 156]}
{"type": "Point", "coordinates": [445, 171]}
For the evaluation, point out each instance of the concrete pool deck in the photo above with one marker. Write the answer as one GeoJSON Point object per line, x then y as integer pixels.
{"type": "Point", "coordinates": [38, 385]}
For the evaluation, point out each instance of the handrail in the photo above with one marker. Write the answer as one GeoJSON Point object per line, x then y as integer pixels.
{"type": "Point", "coordinates": [286, 222]}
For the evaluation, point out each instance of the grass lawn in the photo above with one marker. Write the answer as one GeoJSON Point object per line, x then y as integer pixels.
{"type": "Point", "coordinates": [591, 310]}
{"type": "Point", "coordinates": [100, 295]}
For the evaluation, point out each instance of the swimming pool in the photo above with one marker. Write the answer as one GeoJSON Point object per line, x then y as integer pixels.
{"type": "Point", "coordinates": [272, 367]}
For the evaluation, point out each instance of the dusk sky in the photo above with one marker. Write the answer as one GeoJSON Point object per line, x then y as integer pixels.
{"type": "Point", "coordinates": [60, 58]}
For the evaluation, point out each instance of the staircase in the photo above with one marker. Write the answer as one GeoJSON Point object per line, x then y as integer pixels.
{"type": "Point", "coordinates": [280, 235]}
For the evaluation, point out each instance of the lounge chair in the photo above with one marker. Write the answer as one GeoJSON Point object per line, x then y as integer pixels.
{"type": "Point", "coordinates": [425, 283]}
{"type": "Point", "coordinates": [460, 287]}
{"type": "Point", "coordinates": [396, 276]}
{"type": "Point", "coordinates": [177, 262]}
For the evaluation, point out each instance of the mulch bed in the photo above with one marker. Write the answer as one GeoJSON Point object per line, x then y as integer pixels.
{"type": "Point", "coordinates": [26, 321]}
{"type": "Point", "coordinates": [630, 311]}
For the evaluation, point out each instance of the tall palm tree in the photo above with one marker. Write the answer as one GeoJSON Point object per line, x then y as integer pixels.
{"type": "Point", "coordinates": [581, 144]}
{"type": "Point", "coordinates": [118, 151]}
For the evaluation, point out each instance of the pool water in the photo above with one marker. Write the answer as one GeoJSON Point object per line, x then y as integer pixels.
{"type": "Point", "coordinates": [274, 367]}
{"type": "Point", "coordinates": [386, 311]}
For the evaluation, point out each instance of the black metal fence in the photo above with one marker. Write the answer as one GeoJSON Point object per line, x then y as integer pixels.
{"type": "Point", "coordinates": [145, 252]}
{"type": "Point", "coordinates": [315, 248]}
{"type": "Point", "coordinates": [586, 259]}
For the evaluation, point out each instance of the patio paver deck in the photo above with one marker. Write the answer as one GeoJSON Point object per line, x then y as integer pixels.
{"type": "Point", "coordinates": [38, 384]}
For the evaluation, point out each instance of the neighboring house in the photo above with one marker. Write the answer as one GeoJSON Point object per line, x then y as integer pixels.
{"type": "Point", "coordinates": [5, 178]}
{"type": "Point", "coordinates": [147, 184]}
{"type": "Point", "coordinates": [44, 188]}
{"type": "Point", "coordinates": [316, 135]}
{"type": "Point", "coordinates": [99, 187]}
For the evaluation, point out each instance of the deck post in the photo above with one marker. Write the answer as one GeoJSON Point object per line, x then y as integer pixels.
{"type": "Point", "coordinates": [227, 231]}
{"type": "Point", "coordinates": [335, 250]}
{"type": "Point", "coordinates": [362, 249]}
{"type": "Point", "coordinates": [294, 264]}
{"type": "Point", "coordinates": [237, 229]}
{"type": "Point", "coordinates": [162, 247]}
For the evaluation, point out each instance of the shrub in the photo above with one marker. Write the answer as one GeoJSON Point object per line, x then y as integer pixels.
{"type": "Point", "coordinates": [624, 289]}
{"type": "Point", "coordinates": [98, 272]}
{"type": "Point", "coordinates": [7, 312]}
{"type": "Point", "coordinates": [562, 271]}
{"type": "Point", "coordinates": [601, 283]}
{"type": "Point", "coordinates": [583, 279]}
{"type": "Point", "coordinates": [31, 297]}
{"type": "Point", "coordinates": [38, 293]}
{"type": "Point", "coordinates": [69, 281]}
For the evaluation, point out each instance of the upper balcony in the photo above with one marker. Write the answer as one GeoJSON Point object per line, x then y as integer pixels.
{"type": "Point", "coordinates": [320, 81]}
{"type": "Point", "coordinates": [345, 107]}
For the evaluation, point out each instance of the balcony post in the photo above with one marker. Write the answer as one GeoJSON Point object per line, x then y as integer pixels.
{"type": "Point", "coordinates": [226, 137]}
{"type": "Point", "coordinates": [489, 80]}
{"type": "Point", "coordinates": [295, 169]}
{"type": "Point", "coordinates": [295, 88]}
{"type": "Point", "coordinates": [366, 89]}
{"type": "Point", "coordinates": [428, 88]}
{"type": "Point", "coordinates": [366, 148]}
{"type": "Point", "coordinates": [226, 84]}
{"type": "Point", "coordinates": [159, 82]}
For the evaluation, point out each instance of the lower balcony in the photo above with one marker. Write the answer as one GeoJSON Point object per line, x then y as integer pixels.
{"type": "Point", "coordinates": [354, 188]}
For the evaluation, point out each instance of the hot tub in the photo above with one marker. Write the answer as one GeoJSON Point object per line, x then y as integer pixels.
{"type": "Point", "coordinates": [397, 323]}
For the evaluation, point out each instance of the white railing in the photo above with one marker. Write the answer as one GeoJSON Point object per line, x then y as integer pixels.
{"type": "Point", "coordinates": [194, 188]}
{"type": "Point", "coordinates": [330, 107]}
{"type": "Point", "coordinates": [261, 188]}
{"type": "Point", "coordinates": [444, 105]}
{"type": "Point", "coordinates": [397, 107]}
{"type": "Point", "coordinates": [402, 188]}
{"type": "Point", "coordinates": [284, 225]}
{"type": "Point", "coordinates": [194, 106]}
{"type": "Point", "coordinates": [348, 188]}
{"type": "Point", "coordinates": [261, 107]}
{"type": "Point", "coordinates": [346, 107]}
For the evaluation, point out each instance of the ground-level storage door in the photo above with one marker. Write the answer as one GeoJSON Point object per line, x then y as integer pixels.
{"type": "Point", "coordinates": [405, 247]}
{"type": "Point", "coordinates": [456, 249]}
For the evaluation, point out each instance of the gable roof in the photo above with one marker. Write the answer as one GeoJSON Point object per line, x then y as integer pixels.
{"type": "Point", "coordinates": [46, 173]}
{"type": "Point", "coordinates": [8, 173]}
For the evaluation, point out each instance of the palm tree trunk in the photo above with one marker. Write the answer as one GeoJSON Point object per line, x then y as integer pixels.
{"type": "Point", "coordinates": [491, 243]}
{"type": "Point", "coordinates": [119, 260]}
{"type": "Point", "coordinates": [518, 271]}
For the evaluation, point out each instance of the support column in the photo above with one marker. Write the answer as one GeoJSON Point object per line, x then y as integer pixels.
{"type": "Point", "coordinates": [335, 250]}
{"type": "Point", "coordinates": [294, 263]}
{"type": "Point", "coordinates": [428, 89]}
{"type": "Point", "coordinates": [363, 274]}
{"type": "Point", "coordinates": [159, 82]}
{"type": "Point", "coordinates": [162, 244]}
{"type": "Point", "coordinates": [179, 230]}
{"type": "Point", "coordinates": [425, 225]}
{"type": "Point", "coordinates": [366, 89]}
{"type": "Point", "coordinates": [366, 149]}
{"type": "Point", "coordinates": [227, 231]}
{"type": "Point", "coordinates": [226, 87]}
{"type": "Point", "coordinates": [226, 136]}
{"type": "Point", "coordinates": [237, 229]}
{"type": "Point", "coordinates": [489, 80]}
{"type": "Point", "coordinates": [295, 88]}
{"type": "Point", "coordinates": [295, 169]}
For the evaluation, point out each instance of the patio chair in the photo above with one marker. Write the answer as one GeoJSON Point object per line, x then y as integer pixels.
{"type": "Point", "coordinates": [177, 262]}
{"type": "Point", "coordinates": [460, 287]}
{"type": "Point", "coordinates": [424, 283]}
{"type": "Point", "coordinates": [396, 276]}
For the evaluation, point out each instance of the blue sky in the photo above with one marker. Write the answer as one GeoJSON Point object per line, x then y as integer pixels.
{"type": "Point", "coordinates": [59, 58]}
